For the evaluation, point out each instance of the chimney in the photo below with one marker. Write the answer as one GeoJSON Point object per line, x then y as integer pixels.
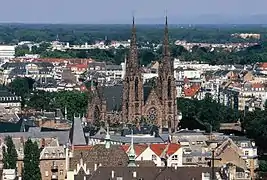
{"type": "Point", "coordinates": [134, 174]}
{"type": "Point", "coordinates": [175, 166]}
{"type": "Point", "coordinates": [112, 174]}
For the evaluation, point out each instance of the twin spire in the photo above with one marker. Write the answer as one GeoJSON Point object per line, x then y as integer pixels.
{"type": "Point", "coordinates": [133, 62]}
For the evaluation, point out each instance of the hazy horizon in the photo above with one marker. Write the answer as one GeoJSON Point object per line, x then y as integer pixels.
{"type": "Point", "coordinates": [121, 11]}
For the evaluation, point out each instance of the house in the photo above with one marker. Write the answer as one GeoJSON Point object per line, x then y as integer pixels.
{"type": "Point", "coordinates": [52, 156]}
{"type": "Point", "coordinates": [181, 73]}
{"type": "Point", "coordinates": [9, 100]}
{"type": "Point", "coordinates": [171, 154]}
{"type": "Point", "coordinates": [78, 68]}
{"type": "Point", "coordinates": [53, 162]}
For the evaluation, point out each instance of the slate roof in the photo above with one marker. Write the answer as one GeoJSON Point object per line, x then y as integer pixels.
{"type": "Point", "coordinates": [113, 67]}
{"type": "Point", "coordinates": [35, 132]}
{"type": "Point", "coordinates": [123, 139]}
{"type": "Point", "coordinates": [77, 136]}
{"type": "Point", "coordinates": [113, 96]}
{"type": "Point", "coordinates": [152, 173]}
{"type": "Point", "coordinates": [9, 127]}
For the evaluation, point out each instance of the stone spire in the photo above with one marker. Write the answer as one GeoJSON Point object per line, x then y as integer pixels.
{"type": "Point", "coordinates": [166, 50]}
{"type": "Point", "coordinates": [132, 63]}
{"type": "Point", "coordinates": [131, 154]}
{"type": "Point", "coordinates": [107, 139]}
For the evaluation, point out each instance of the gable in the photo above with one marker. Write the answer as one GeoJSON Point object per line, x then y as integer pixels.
{"type": "Point", "coordinates": [152, 98]}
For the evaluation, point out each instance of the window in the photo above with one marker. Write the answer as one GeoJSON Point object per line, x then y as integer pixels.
{"type": "Point", "coordinates": [175, 157]}
{"type": "Point", "coordinates": [61, 172]}
{"type": "Point", "coordinates": [46, 173]}
{"type": "Point", "coordinates": [199, 159]}
{"type": "Point", "coordinates": [246, 153]}
{"type": "Point", "coordinates": [136, 83]}
{"type": "Point", "coordinates": [169, 88]}
{"type": "Point", "coordinates": [244, 144]}
{"type": "Point", "coordinates": [154, 157]}
{"type": "Point", "coordinates": [188, 159]}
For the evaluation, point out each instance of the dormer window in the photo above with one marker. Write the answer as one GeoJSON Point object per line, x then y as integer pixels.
{"type": "Point", "coordinates": [53, 154]}
{"type": "Point", "coordinates": [46, 154]}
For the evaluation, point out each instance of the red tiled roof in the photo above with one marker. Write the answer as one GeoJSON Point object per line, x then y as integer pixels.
{"type": "Point", "coordinates": [257, 85]}
{"type": "Point", "coordinates": [172, 148]}
{"type": "Point", "coordinates": [79, 66]}
{"type": "Point", "coordinates": [263, 65]}
{"type": "Point", "coordinates": [191, 91]}
{"type": "Point", "coordinates": [139, 148]}
{"type": "Point", "coordinates": [82, 147]}
{"type": "Point", "coordinates": [125, 147]}
{"type": "Point", "coordinates": [158, 148]}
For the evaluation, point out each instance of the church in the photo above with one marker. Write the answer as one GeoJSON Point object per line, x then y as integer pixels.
{"type": "Point", "coordinates": [133, 101]}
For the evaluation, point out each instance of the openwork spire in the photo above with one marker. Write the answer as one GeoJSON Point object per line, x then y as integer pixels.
{"type": "Point", "coordinates": [166, 51]}
{"type": "Point", "coordinates": [131, 153]}
{"type": "Point", "coordinates": [133, 56]}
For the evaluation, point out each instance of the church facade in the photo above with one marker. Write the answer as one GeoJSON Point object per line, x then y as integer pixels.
{"type": "Point", "coordinates": [133, 101]}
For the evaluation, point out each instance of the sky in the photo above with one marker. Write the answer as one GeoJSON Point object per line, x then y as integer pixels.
{"type": "Point", "coordinates": [120, 11]}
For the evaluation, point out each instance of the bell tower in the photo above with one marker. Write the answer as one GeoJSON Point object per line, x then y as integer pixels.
{"type": "Point", "coordinates": [132, 100]}
{"type": "Point", "coordinates": [166, 84]}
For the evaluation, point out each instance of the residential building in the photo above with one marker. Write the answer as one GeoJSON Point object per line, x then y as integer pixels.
{"type": "Point", "coordinates": [7, 52]}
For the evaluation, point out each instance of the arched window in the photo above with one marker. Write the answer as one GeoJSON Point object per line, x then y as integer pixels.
{"type": "Point", "coordinates": [127, 106]}
{"type": "Point", "coordinates": [136, 88]}
{"type": "Point", "coordinates": [169, 88]}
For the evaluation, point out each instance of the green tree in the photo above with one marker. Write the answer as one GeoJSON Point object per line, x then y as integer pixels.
{"type": "Point", "coordinates": [74, 101]}
{"type": "Point", "coordinates": [204, 113]}
{"type": "Point", "coordinates": [263, 165]}
{"type": "Point", "coordinates": [21, 86]}
{"type": "Point", "coordinates": [31, 169]}
{"type": "Point", "coordinates": [9, 154]}
{"type": "Point", "coordinates": [22, 50]}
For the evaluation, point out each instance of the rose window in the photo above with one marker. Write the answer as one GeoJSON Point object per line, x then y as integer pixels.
{"type": "Point", "coordinates": [152, 114]}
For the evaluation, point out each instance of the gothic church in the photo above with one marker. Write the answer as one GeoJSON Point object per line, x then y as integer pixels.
{"type": "Point", "coordinates": [129, 102]}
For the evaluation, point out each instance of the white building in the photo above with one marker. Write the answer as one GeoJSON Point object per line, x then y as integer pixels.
{"type": "Point", "coordinates": [7, 52]}
{"type": "Point", "coordinates": [172, 153]}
